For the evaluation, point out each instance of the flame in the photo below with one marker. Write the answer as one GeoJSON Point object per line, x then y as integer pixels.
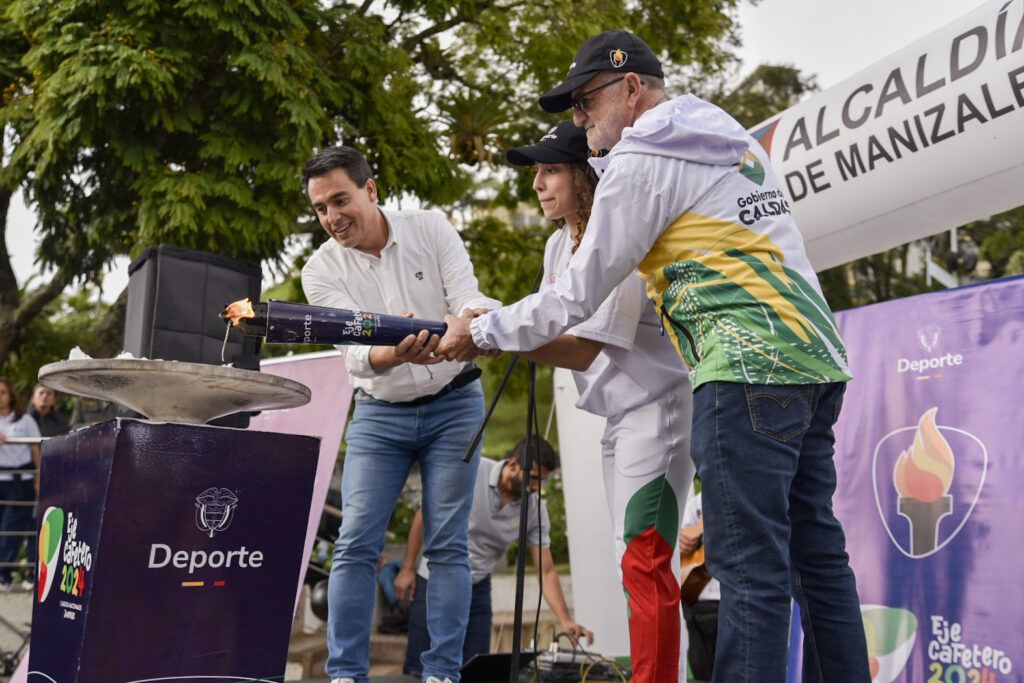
{"type": "Point", "coordinates": [238, 310]}
{"type": "Point", "coordinates": [925, 470]}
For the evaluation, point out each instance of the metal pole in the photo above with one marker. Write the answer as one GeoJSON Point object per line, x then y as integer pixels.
{"type": "Point", "coordinates": [524, 511]}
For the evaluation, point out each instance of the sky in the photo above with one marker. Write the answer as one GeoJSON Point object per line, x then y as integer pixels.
{"type": "Point", "coordinates": [833, 39]}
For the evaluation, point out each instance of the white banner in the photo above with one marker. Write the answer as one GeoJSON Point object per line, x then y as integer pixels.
{"type": "Point", "coordinates": [597, 598]}
{"type": "Point", "coordinates": [923, 141]}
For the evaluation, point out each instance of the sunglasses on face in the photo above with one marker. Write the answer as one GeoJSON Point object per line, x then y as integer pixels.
{"type": "Point", "coordinates": [582, 103]}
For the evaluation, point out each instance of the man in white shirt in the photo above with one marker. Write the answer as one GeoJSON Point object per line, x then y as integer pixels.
{"type": "Point", "coordinates": [689, 198]}
{"type": "Point", "coordinates": [410, 406]}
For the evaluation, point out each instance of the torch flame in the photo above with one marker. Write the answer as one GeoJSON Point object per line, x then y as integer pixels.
{"type": "Point", "coordinates": [238, 310]}
{"type": "Point", "coordinates": [925, 470]}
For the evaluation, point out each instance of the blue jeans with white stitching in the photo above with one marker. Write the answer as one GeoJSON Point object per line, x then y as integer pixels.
{"type": "Point", "coordinates": [765, 457]}
{"type": "Point", "coordinates": [384, 440]}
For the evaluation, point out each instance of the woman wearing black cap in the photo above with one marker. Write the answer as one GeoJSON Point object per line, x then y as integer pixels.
{"type": "Point", "coordinates": [629, 373]}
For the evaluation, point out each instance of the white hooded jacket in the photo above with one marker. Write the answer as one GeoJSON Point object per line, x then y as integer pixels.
{"type": "Point", "coordinates": [689, 198]}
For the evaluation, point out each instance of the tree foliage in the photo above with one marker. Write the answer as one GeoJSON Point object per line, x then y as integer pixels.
{"type": "Point", "coordinates": [768, 90]}
{"type": "Point", "coordinates": [1000, 241]}
{"type": "Point", "coordinates": [49, 337]}
{"type": "Point", "coordinates": [131, 123]}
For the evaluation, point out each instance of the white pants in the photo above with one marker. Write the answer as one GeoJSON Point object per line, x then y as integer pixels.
{"type": "Point", "coordinates": [647, 474]}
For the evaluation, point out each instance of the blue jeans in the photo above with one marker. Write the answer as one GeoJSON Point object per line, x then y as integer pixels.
{"type": "Point", "coordinates": [764, 455]}
{"type": "Point", "coordinates": [16, 518]}
{"type": "Point", "coordinates": [384, 440]}
{"type": "Point", "coordinates": [478, 632]}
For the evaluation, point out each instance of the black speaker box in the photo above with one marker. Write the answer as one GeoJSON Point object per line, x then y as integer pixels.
{"type": "Point", "coordinates": [175, 296]}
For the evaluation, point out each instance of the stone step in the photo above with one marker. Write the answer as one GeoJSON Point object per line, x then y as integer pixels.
{"type": "Point", "coordinates": [307, 654]}
{"type": "Point", "coordinates": [388, 649]}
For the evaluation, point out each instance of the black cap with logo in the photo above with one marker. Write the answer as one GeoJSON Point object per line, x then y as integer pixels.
{"type": "Point", "coordinates": [563, 144]}
{"type": "Point", "coordinates": [608, 51]}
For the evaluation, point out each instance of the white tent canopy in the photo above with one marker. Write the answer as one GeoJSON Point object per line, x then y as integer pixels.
{"type": "Point", "coordinates": [926, 140]}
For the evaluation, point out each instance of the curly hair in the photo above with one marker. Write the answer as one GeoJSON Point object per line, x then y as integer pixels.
{"type": "Point", "coordinates": [584, 182]}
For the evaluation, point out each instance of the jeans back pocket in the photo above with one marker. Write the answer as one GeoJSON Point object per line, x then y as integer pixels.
{"type": "Point", "coordinates": [780, 412]}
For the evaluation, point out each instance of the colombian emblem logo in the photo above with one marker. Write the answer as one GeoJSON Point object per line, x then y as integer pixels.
{"type": "Point", "coordinates": [928, 336]}
{"type": "Point", "coordinates": [215, 510]}
{"type": "Point", "coordinates": [890, 633]}
{"type": "Point", "coordinates": [927, 480]}
{"type": "Point", "coordinates": [51, 533]}
{"type": "Point", "coordinates": [617, 57]}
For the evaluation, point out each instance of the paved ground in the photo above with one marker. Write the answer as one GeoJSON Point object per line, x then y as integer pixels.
{"type": "Point", "coordinates": [15, 613]}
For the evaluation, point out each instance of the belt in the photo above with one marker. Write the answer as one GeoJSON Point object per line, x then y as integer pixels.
{"type": "Point", "coordinates": [471, 374]}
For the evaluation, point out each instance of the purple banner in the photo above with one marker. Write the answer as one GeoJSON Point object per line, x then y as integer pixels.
{"type": "Point", "coordinates": [930, 463]}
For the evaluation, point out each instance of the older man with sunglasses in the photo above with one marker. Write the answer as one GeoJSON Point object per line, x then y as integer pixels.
{"type": "Point", "coordinates": [690, 199]}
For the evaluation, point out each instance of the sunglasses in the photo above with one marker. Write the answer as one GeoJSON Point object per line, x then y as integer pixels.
{"type": "Point", "coordinates": [581, 103]}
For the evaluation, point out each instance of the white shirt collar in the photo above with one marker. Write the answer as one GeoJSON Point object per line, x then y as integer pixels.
{"type": "Point", "coordinates": [496, 474]}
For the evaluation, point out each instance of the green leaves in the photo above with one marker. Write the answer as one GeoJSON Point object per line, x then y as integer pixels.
{"type": "Point", "coordinates": [183, 123]}
{"type": "Point", "coordinates": [188, 121]}
{"type": "Point", "coordinates": [131, 123]}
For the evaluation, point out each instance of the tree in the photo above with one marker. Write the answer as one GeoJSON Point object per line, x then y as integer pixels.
{"type": "Point", "coordinates": [1000, 241]}
{"type": "Point", "coordinates": [63, 323]}
{"type": "Point", "coordinates": [185, 122]}
{"type": "Point", "coordinates": [768, 90]}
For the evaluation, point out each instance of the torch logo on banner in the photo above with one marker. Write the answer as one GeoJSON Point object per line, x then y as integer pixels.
{"type": "Point", "coordinates": [922, 477]}
{"type": "Point", "coordinates": [935, 476]}
{"type": "Point", "coordinates": [215, 509]}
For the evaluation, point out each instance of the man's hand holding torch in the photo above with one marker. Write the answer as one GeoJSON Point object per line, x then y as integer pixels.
{"type": "Point", "coordinates": [415, 348]}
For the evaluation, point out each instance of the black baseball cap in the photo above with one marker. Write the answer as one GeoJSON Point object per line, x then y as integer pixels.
{"type": "Point", "coordinates": [563, 144]}
{"type": "Point", "coordinates": [608, 51]}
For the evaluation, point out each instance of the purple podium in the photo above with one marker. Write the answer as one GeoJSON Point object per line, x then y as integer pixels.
{"type": "Point", "coordinates": [169, 551]}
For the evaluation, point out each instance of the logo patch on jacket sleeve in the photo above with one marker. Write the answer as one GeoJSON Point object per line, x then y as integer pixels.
{"type": "Point", "coordinates": [751, 168]}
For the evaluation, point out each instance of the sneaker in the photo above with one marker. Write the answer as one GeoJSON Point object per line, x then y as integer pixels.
{"type": "Point", "coordinates": [435, 679]}
{"type": "Point", "coordinates": [6, 586]}
{"type": "Point", "coordinates": [343, 680]}
{"type": "Point", "coordinates": [27, 585]}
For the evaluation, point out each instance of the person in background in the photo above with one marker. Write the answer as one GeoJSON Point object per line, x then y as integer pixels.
{"type": "Point", "coordinates": [700, 592]}
{"type": "Point", "coordinates": [493, 526]}
{"type": "Point", "coordinates": [43, 409]}
{"type": "Point", "coordinates": [18, 484]}
{"type": "Point", "coordinates": [395, 616]}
